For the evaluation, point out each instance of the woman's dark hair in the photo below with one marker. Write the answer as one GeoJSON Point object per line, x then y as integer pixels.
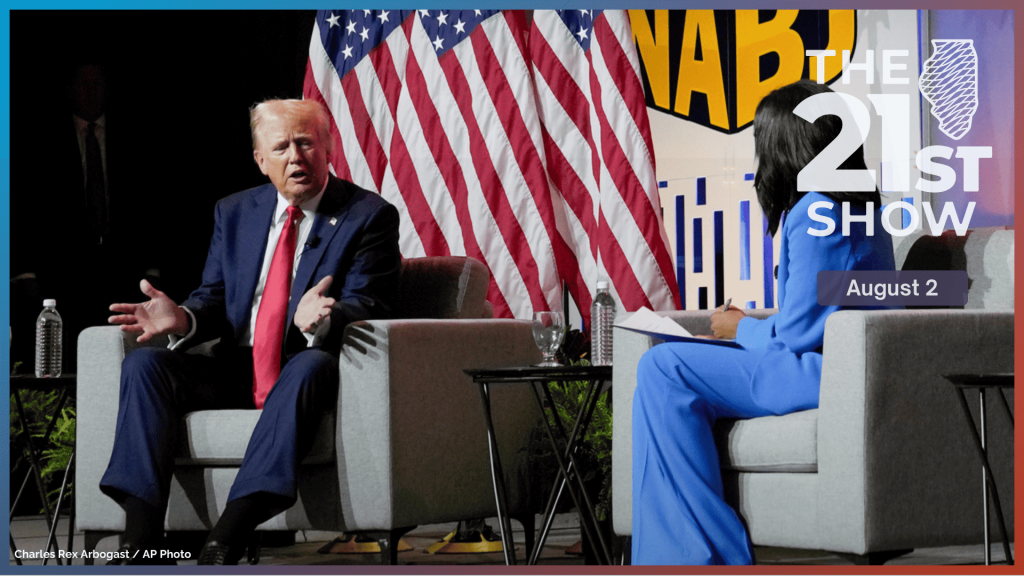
{"type": "Point", "coordinates": [784, 144]}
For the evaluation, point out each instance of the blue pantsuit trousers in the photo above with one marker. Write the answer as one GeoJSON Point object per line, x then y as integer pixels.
{"type": "Point", "coordinates": [679, 514]}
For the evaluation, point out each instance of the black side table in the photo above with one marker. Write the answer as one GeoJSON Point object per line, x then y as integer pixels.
{"type": "Point", "coordinates": [65, 383]}
{"type": "Point", "coordinates": [981, 382]}
{"type": "Point", "coordinates": [569, 472]}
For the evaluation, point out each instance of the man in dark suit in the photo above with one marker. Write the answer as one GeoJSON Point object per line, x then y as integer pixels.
{"type": "Point", "coordinates": [290, 264]}
{"type": "Point", "coordinates": [86, 158]}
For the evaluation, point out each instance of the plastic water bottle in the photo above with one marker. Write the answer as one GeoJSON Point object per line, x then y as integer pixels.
{"type": "Point", "coordinates": [602, 316]}
{"type": "Point", "coordinates": [49, 335]}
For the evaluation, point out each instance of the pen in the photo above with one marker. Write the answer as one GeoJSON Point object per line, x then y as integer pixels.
{"type": "Point", "coordinates": [727, 304]}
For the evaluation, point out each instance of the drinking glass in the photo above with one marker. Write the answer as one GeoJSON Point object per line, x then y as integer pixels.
{"type": "Point", "coordinates": [548, 330]}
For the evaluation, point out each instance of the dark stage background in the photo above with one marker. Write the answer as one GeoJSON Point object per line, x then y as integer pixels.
{"type": "Point", "coordinates": [180, 84]}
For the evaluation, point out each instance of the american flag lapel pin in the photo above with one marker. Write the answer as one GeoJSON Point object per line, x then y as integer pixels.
{"type": "Point", "coordinates": [334, 221]}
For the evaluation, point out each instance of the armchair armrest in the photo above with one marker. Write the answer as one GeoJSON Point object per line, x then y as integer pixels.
{"type": "Point", "coordinates": [895, 457]}
{"type": "Point", "coordinates": [100, 352]}
{"type": "Point", "coordinates": [411, 426]}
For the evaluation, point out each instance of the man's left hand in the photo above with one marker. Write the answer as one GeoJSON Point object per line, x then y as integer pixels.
{"type": "Point", "coordinates": [314, 307]}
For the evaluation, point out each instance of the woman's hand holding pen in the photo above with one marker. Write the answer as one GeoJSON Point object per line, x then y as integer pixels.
{"type": "Point", "coordinates": [725, 320]}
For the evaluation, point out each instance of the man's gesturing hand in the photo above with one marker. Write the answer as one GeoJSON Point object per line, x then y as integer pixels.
{"type": "Point", "coordinates": [314, 307]}
{"type": "Point", "coordinates": [158, 317]}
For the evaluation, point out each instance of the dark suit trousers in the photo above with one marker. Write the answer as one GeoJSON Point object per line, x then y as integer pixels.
{"type": "Point", "coordinates": [159, 386]}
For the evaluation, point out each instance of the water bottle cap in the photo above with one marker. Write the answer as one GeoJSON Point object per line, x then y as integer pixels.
{"type": "Point", "coordinates": [49, 303]}
{"type": "Point", "coordinates": [602, 285]}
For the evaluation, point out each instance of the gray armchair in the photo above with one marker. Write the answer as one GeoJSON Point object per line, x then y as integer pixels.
{"type": "Point", "coordinates": [885, 464]}
{"type": "Point", "coordinates": [405, 446]}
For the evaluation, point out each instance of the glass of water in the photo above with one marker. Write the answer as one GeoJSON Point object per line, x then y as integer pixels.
{"type": "Point", "coordinates": [548, 330]}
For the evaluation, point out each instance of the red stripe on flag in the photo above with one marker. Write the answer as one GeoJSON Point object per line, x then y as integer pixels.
{"type": "Point", "coordinates": [516, 22]}
{"type": "Point", "coordinates": [365, 132]}
{"type": "Point", "coordinates": [390, 83]}
{"type": "Point", "coordinates": [565, 89]}
{"type": "Point", "coordinates": [311, 91]}
{"type": "Point", "coordinates": [497, 300]}
{"type": "Point", "coordinates": [490, 184]}
{"type": "Point", "coordinates": [626, 81]}
{"type": "Point", "coordinates": [429, 231]}
{"type": "Point", "coordinates": [526, 155]}
{"type": "Point", "coordinates": [561, 83]}
{"type": "Point", "coordinates": [573, 190]}
{"type": "Point", "coordinates": [427, 227]}
{"type": "Point", "coordinates": [511, 117]}
{"type": "Point", "coordinates": [444, 156]}
{"type": "Point", "coordinates": [633, 195]}
{"type": "Point", "coordinates": [621, 271]}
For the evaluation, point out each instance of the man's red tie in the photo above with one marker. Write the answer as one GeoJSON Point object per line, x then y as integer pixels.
{"type": "Point", "coordinates": [266, 343]}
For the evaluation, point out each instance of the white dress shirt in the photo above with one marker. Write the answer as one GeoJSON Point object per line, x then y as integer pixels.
{"type": "Point", "coordinates": [273, 235]}
{"type": "Point", "coordinates": [81, 129]}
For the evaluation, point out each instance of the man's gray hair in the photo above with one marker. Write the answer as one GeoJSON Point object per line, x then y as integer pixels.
{"type": "Point", "coordinates": [259, 112]}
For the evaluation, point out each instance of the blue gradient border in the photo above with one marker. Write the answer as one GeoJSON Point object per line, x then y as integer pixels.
{"type": "Point", "coordinates": [5, 171]}
{"type": "Point", "coordinates": [468, 4]}
{"type": "Point", "coordinates": [5, 250]}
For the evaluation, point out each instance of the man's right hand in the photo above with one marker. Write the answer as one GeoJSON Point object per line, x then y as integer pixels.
{"type": "Point", "coordinates": [158, 317]}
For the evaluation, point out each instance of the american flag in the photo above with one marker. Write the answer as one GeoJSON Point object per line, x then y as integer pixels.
{"type": "Point", "coordinates": [528, 149]}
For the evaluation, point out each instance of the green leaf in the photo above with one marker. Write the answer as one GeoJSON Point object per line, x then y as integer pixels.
{"type": "Point", "coordinates": [54, 452]}
{"type": "Point", "coordinates": [594, 454]}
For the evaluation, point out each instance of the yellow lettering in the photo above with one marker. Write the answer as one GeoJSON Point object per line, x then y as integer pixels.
{"type": "Point", "coordinates": [841, 34]}
{"type": "Point", "coordinates": [653, 46]}
{"type": "Point", "coordinates": [754, 40]}
{"type": "Point", "coordinates": [704, 75]}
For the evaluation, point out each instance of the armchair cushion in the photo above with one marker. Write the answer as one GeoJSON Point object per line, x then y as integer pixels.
{"type": "Point", "coordinates": [204, 442]}
{"type": "Point", "coordinates": [769, 444]}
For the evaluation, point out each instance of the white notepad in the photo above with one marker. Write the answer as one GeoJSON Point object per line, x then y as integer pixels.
{"type": "Point", "coordinates": [645, 321]}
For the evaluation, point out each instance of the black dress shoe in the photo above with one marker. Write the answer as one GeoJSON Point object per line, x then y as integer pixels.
{"type": "Point", "coordinates": [131, 555]}
{"type": "Point", "coordinates": [216, 554]}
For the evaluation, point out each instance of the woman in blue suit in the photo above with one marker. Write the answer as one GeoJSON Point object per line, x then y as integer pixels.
{"type": "Point", "coordinates": [679, 515]}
